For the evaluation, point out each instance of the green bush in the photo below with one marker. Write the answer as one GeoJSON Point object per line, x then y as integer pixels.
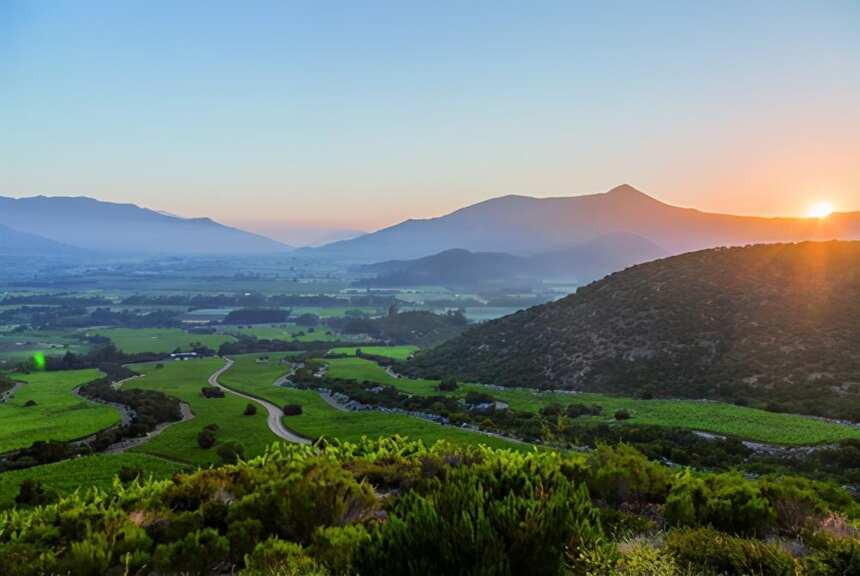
{"type": "Point", "coordinates": [200, 552]}
{"type": "Point", "coordinates": [231, 452]}
{"type": "Point", "coordinates": [716, 552]}
{"type": "Point", "coordinates": [621, 474]}
{"type": "Point", "coordinates": [278, 558]}
{"type": "Point", "coordinates": [727, 502]}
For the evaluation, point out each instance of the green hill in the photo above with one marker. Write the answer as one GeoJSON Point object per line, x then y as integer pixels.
{"type": "Point", "coordinates": [772, 325]}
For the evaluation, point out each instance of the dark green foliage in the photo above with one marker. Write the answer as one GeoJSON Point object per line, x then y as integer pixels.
{"type": "Point", "coordinates": [231, 452]}
{"type": "Point", "coordinates": [292, 410]}
{"type": "Point", "coordinates": [250, 409]}
{"type": "Point", "coordinates": [212, 392]}
{"type": "Point", "coordinates": [206, 438]}
{"type": "Point", "coordinates": [622, 475]}
{"type": "Point", "coordinates": [622, 415]}
{"type": "Point", "coordinates": [29, 403]}
{"type": "Point", "coordinates": [771, 325]}
{"type": "Point", "coordinates": [130, 474]}
{"type": "Point", "coordinates": [448, 385]}
{"type": "Point", "coordinates": [32, 493]}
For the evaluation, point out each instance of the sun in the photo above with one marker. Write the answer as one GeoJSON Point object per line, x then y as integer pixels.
{"type": "Point", "coordinates": [820, 210]}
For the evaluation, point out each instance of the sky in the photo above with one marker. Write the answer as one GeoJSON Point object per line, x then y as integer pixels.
{"type": "Point", "coordinates": [300, 119]}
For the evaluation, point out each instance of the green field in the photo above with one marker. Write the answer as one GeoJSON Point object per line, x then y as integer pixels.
{"type": "Point", "coordinates": [395, 352]}
{"type": "Point", "coordinates": [288, 333]}
{"type": "Point", "coordinates": [133, 340]}
{"type": "Point", "coordinates": [87, 472]}
{"type": "Point", "coordinates": [333, 311]}
{"type": "Point", "coordinates": [184, 380]}
{"type": "Point", "coordinates": [714, 417]}
{"type": "Point", "coordinates": [58, 413]}
{"type": "Point", "coordinates": [320, 419]}
{"type": "Point", "coordinates": [18, 346]}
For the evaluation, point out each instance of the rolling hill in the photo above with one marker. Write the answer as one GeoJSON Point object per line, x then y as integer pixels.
{"type": "Point", "coordinates": [462, 268]}
{"type": "Point", "coordinates": [523, 225]}
{"type": "Point", "coordinates": [773, 325]}
{"type": "Point", "coordinates": [125, 228]}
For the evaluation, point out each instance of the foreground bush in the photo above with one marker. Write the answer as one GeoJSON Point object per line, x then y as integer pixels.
{"type": "Point", "coordinates": [397, 507]}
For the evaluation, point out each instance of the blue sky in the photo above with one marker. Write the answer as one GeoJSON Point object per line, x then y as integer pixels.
{"type": "Point", "coordinates": [361, 114]}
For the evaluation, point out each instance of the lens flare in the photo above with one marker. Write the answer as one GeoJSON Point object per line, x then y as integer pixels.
{"type": "Point", "coordinates": [39, 361]}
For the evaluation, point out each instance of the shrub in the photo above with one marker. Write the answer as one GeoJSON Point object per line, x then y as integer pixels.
{"type": "Point", "coordinates": [250, 409]}
{"type": "Point", "coordinates": [622, 415]}
{"type": "Point", "coordinates": [448, 385]}
{"type": "Point", "coordinates": [29, 403]}
{"type": "Point", "coordinates": [621, 474]}
{"type": "Point", "coordinates": [33, 493]}
{"type": "Point", "coordinates": [715, 552]}
{"type": "Point", "coordinates": [130, 474]}
{"type": "Point", "coordinates": [727, 502]}
{"type": "Point", "coordinates": [212, 392]}
{"type": "Point", "coordinates": [335, 547]}
{"type": "Point", "coordinates": [200, 552]}
{"type": "Point", "coordinates": [206, 438]}
{"type": "Point", "coordinates": [292, 410]}
{"type": "Point", "coordinates": [276, 557]}
{"type": "Point", "coordinates": [231, 452]}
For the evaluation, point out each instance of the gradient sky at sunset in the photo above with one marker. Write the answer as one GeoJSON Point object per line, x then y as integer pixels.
{"type": "Point", "coordinates": [361, 114]}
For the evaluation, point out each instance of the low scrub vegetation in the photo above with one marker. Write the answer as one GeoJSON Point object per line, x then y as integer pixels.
{"type": "Point", "coordinates": [395, 507]}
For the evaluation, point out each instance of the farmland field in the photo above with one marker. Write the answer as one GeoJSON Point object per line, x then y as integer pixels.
{"type": "Point", "coordinates": [57, 414]}
{"type": "Point", "coordinates": [184, 380]}
{"type": "Point", "coordinates": [165, 340]}
{"type": "Point", "coordinates": [714, 417]}
{"type": "Point", "coordinates": [320, 419]}
{"type": "Point", "coordinates": [18, 346]}
{"type": "Point", "coordinates": [395, 352]}
{"type": "Point", "coordinates": [96, 471]}
{"type": "Point", "coordinates": [286, 332]}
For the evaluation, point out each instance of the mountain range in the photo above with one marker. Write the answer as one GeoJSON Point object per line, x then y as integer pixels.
{"type": "Point", "coordinates": [776, 325]}
{"type": "Point", "coordinates": [522, 226]}
{"type": "Point", "coordinates": [458, 268]}
{"type": "Point", "coordinates": [108, 227]}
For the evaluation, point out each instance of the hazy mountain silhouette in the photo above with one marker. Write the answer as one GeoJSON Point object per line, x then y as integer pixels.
{"type": "Point", "coordinates": [460, 268]}
{"type": "Point", "coordinates": [125, 228]}
{"type": "Point", "coordinates": [16, 243]}
{"type": "Point", "coordinates": [525, 226]}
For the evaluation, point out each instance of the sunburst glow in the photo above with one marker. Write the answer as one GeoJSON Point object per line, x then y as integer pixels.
{"type": "Point", "coordinates": [820, 210]}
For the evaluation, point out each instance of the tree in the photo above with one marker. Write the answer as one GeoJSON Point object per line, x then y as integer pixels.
{"type": "Point", "coordinates": [206, 438]}
{"type": "Point", "coordinates": [250, 409]}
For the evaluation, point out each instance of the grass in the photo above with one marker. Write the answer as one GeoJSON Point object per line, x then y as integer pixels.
{"type": "Point", "coordinates": [184, 380]}
{"type": "Point", "coordinates": [97, 471]}
{"type": "Point", "coordinates": [285, 332]}
{"type": "Point", "coordinates": [319, 419]}
{"type": "Point", "coordinates": [134, 340]}
{"type": "Point", "coordinates": [58, 413]}
{"type": "Point", "coordinates": [19, 346]}
{"type": "Point", "coordinates": [715, 417]}
{"type": "Point", "coordinates": [395, 352]}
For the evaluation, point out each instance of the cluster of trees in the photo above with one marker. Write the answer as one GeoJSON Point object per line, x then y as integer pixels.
{"type": "Point", "coordinates": [255, 299]}
{"type": "Point", "coordinates": [774, 326]}
{"type": "Point", "coordinates": [257, 316]}
{"type": "Point", "coordinates": [421, 328]}
{"type": "Point", "coordinates": [394, 507]}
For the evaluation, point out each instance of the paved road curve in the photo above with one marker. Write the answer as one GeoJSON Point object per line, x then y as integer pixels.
{"type": "Point", "coordinates": [275, 414]}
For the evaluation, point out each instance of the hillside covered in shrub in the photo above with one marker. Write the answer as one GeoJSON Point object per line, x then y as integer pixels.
{"type": "Point", "coordinates": [772, 325]}
{"type": "Point", "coordinates": [395, 507]}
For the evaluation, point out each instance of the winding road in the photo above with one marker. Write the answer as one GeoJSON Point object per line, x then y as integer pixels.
{"type": "Point", "coordinates": [274, 413]}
